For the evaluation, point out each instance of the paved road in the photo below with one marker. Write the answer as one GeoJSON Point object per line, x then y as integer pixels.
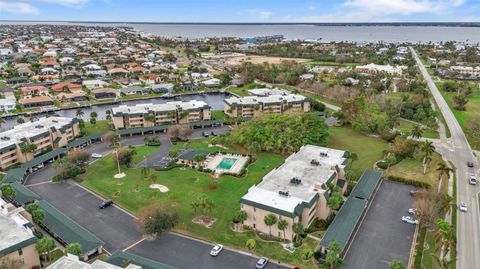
{"type": "Point", "coordinates": [457, 150]}
{"type": "Point", "coordinates": [382, 230]}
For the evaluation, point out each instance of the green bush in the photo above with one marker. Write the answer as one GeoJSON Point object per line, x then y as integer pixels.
{"type": "Point", "coordinates": [251, 244]}
{"type": "Point", "coordinates": [410, 181]}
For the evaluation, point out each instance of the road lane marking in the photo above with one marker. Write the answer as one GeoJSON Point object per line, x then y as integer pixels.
{"type": "Point", "coordinates": [134, 244]}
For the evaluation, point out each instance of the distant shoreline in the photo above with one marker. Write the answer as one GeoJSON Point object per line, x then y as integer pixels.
{"type": "Point", "coordinates": [349, 24]}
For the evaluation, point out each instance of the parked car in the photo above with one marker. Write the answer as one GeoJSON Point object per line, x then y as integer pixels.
{"type": "Point", "coordinates": [261, 263]}
{"type": "Point", "coordinates": [463, 207]}
{"type": "Point", "coordinates": [412, 211]}
{"type": "Point", "coordinates": [97, 155]}
{"type": "Point", "coordinates": [205, 134]}
{"type": "Point", "coordinates": [105, 204]}
{"type": "Point", "coordinates": [40, 166]}
{"type": "Point", "coordinates": [213, 133]}
{"type": "Point", "coordinates": [409, 219]}
{"type": "Point", "coordinates": [472, 180]}
{"type": "Point", "coordinates": [470, 164]}
{"type": "Point", "coordinates": [216, 250]}
{"type": "Point", "coordinates": [412, 192]}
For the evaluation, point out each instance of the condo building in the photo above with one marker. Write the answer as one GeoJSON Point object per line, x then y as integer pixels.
{"type": "Point", "coordinates": [17, 241]}
{"type": "Point", "coordinates": [297, 191]}
{"type": "Point", "coordinates": [148, 115]}
{"type": "Point", "coordinates": [45, 134]}
{"type": "Point", "coordinates": [257, 106]}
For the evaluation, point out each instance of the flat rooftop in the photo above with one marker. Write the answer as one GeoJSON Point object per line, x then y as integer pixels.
{"type": "Point", "coordinates": [31, 129]}
{"type": "Point", "coordinates": [73, 262]}
{"type": "Point", "coordinates": [270, 99]}
{"type": "Point", "coordinates": [299, 166]}
{"type": "Point", "coordinates": [169, 106]}
{"type": "Point", "coordinates": [13, 234]}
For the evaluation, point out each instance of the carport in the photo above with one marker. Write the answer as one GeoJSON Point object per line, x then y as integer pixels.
{"type": "Point", "coordinates": [23, 195]}
{"type": "Point", "coordinates": [67, 231]}
{"type": "Point", "coordinates": [119, 258]}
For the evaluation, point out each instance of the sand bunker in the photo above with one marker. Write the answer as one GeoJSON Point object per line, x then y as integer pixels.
{"type": "Point", "coordinates": [159, 187]}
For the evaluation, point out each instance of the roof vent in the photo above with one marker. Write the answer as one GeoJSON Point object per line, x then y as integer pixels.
{"type": "Point", "coordinates": [55, 121]}
{"type": "Point", "coordinates": [323, 154]}
{"type": "Point", "coordinates": [39, 126]}
{"type": "Point", "coordinates": [295, 181]}
{"type": "Point", "coordinates": [5, 138]}
{"type": "Point", "coordinates": [283, 193]}
{"type": "Point", "coordinates": [315, 162]}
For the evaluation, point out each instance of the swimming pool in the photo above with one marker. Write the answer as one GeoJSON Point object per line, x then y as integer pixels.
{"type": "Point", "coordinates": [226, 163]}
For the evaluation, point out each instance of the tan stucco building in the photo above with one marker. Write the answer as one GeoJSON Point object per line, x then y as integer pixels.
{"type": "Point", "coordinates": [257, 106]}
{"type": "Point", "coordinates": [45, 134]}
{"type": "Point", "coordinates": [17, 241]}
{"type": "Point", "coordinates": [148, 115]}
{"type": "Point", "coordinates": [297, 190]}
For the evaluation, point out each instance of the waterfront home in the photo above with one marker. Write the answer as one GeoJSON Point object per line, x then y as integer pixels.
{"type": "Point", "coordinates": [37, 101]}
{"type": "Point", "coordinates": [7, 104]}
{"type": "Point", "coordinates": [132, 90]}
{"type": "Point", "coordinates": [105, 93]}
{"type": "Point", "coordinates": [94, 84]}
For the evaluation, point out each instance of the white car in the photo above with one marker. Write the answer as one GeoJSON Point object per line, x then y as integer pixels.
{"type": "Point", "coordinates": [472, 180]}
{"type": "Point", "coordinates": [409, 219]}
{"type": "Point", "coordinates": [412, 211]}
{"type": "Point", "coordinates": [216, 250]}
{"type": "Point", "coordinates": [463, 207]}
{"type": "Point", "coordinates": [261, 263]}
{"type": "Point", "coordinates": [96, 155]}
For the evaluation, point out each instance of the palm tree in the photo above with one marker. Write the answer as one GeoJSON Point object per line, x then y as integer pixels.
{"type": "Point", "coordinates": [282, 226]}
{"type": "Point", "coordinates": [79, 113]}
{"type": "Point", "coordinates": [443, 170]}
{"type": "Point", "coordinates": [145, 171]}
{"type": "Point", "coordinates": [240, 217]}
{"type": "Point", "coordinates": [443, 262]}
{"type": "Point", "coordinates": [270, 220]}
{"type": "Point", "coordinates": [353, 157]}
{"type": "Point", "coordinates": [445, 237]}
{"type": "Point", "coordinates": [298, 229]}
{"type": "Point", "coordinates": [195, 205]}
{"type": "Point", "coordinates": [416, 131]}
{"type": "Point", "coordinates": [448, 203]}
{"type": "Point", "coordinates": [427, 149]}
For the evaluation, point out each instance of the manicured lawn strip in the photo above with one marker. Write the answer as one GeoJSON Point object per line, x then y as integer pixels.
{"type": "Point", "coordinates": [369, 149]}
{"type": "Point", "coordinates": [412, 169]}
{"type": "Point", "coordinates": [418, 257]}
{"type": "Point", "coordinates": [473, 110]}
{"type": "Point", "coordinates": [102, 126]}
{"type": "Point", "coordinates": [427, 260]}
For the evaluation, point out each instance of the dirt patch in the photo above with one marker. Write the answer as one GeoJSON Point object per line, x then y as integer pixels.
{"type": "Point", "coordinates": [205, 221]}
{"type": "Point", "coordinates": [256, 59]}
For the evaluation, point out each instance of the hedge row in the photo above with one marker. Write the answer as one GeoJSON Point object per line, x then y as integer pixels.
{"type": "Point", "coordinates": [410, 181]}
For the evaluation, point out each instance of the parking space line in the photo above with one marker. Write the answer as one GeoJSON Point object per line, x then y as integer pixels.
{"type": "Point", "coordinates": [40, 183]}
{"type": "Point", "coordinates": [134, 244]}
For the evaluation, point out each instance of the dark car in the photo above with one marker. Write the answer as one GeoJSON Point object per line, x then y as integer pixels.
{"type": "Point", "coordinates": [470, 164]}
{"type": "Point", "coordinates": [105, 204]}
{"type": "Point", "coordinates": [205, 134]}
{"type": "Point", "coordinates": [213, 133]}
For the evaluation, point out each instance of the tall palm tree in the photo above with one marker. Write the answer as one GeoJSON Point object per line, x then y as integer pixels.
{"type": "Point", "coordinates": [443, 170]}
{"type": "Point", "coordinates": [416, 131]}
{"type": "Point", "coordinates": [353, 157]}
{"type": "Point", "coordinates": [282, 226]}
{"type": "Point", "coordinates": [270, 220]}
{"type": "Point", "coordinates": [427, 149]}
{"type": "Point", "coordinates": [445, 237]}
{"type": "Point", "coordinates": [79, 113]}
{"type": "Point", "coordinates": [448, 203]}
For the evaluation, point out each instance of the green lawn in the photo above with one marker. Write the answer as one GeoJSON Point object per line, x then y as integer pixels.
{"type": "Point", "coordinates": [368, 149]}
{"type": "Point", "coordinates": [143, 152]}
{"type": "Point", "coordinates": [133, 193]}
{"type": "Point", "coordinates": [473, 110]}
{"type": "Point", "coordinates": [102, 126]}
{"type": "Point", "coordinates": [218, 115]}
{"type": "Point", "coordinates": [406, 126]}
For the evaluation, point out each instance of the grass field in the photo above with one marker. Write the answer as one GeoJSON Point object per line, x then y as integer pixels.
{"type": "Point", "coordinates": [406, 126]}
{"type": "Point", "coordinates": [133, 193]}
{"type": "Point", "coordinates": [368, 149]}
{"type": "Point", "coordinates": [473, 110]}
{"type": "Point", "coordinates": [412, 169]}
{"type": "Point", "coordinates": [102, 126]}
{"type": "Point", "coordinates": [218, 115]}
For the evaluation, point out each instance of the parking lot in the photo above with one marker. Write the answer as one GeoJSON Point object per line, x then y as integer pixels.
{"type": "Point", "coordinates": [383, 236]}
{"type": "Point", "coordinates": [185, 253]}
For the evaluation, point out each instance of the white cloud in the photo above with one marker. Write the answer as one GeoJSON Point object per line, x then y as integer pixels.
{"type": "Point", "coordinates": [265, 15]}
{"type": "Point", "coordinates": [30, 6]}
{"type": "Point", "coordinates": [17, 8]}
{"type": "Point", "coordinates": [311, 8]}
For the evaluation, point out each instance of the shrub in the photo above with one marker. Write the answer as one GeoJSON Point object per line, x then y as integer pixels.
{"type": "Point", "coordinates": [251, 244]}
{"type": "Point", "coordinates": [409, 181]}
{"type": "Point", "coordinates": [307, 254]}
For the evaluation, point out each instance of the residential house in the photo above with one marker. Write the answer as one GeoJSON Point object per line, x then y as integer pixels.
{"type": "Point", "coordinates": [37, 101]}
{"type": "Point", "coordinates": [94, 84]}
{"type": "Point", "coordinates": [134, 90]}
{"type": "Point", "coordinates": [105, 93]}
{"type": "Point", "coordinates": [8, 104]}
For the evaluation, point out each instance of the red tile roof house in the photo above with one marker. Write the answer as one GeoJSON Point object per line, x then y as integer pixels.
{"type": "Point", "coordinates": [34, 90]}
{"type": "Point", "coordinates": [36, 101]}
{"type": "Point", "coordinates": [66, 86]}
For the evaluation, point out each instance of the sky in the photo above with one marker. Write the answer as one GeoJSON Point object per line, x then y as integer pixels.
{"type": "Point", "coordinates": [243, 10]}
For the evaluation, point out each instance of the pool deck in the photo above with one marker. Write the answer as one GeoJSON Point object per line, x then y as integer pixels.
{"type": "Point", "coordinates": [213, 162]}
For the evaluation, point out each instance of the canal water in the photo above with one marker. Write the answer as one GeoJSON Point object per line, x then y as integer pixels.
{"type": "Point", "coordinates": [214, 100]}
